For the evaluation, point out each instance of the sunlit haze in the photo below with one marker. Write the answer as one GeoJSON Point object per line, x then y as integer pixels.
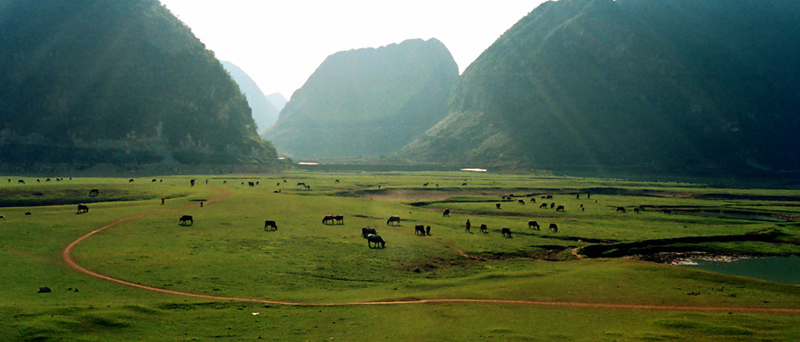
{"type": "Point", "coordinates": [280, 43]}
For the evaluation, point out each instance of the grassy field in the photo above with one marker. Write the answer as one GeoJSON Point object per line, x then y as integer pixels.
{"type": "Point", "coordinates": [541, 284]}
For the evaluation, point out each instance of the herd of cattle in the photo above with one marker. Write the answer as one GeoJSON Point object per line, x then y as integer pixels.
{"type": "Point", "coordinates": [370, 234]}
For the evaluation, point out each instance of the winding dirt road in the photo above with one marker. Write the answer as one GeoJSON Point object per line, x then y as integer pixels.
{"type": "Point", "coordinates": [66, 255]}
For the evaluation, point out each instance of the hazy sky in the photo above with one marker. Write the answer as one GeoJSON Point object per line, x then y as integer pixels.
{"type": "Point", "coordinates": [280, 43]}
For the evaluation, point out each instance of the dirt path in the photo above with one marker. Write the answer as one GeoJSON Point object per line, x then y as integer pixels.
{"type": "Point", "coordinates": [66, 255]}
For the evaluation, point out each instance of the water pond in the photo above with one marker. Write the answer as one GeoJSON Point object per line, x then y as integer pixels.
{"type": "Point", "coordinates": [777, 269]}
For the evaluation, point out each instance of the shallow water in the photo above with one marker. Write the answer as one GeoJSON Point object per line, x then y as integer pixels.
{"type": "Point", "coordinates": [777, 269]}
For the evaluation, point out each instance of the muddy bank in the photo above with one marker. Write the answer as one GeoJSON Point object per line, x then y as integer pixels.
{"type": "Point", "coordinates": [677, 245]}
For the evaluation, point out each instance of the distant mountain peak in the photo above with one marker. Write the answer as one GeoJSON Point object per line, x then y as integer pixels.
{"type": "Point", "coordinates": [367, 102]}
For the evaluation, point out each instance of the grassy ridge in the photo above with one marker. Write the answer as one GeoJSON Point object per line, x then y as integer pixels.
{"type": "Point", "coordinates": [227, 253]}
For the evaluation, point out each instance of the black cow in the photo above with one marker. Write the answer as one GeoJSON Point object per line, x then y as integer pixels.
{"type": "Point", "coordinates": [554, 227]}
{"type": "Point", "coordinates": [552, 205]}
{"type": "Point", "coordinates": [446, 213]}
{"type": "Point", "coordinates": [393, 219]}
{"type": "Point", "coordinates": [419, 230]}
{"type": "Point", "coordinates": [94, 192]}
{"type": "Point", "coordinates": [620, 209]}
{"type": "Point", "coordinates": [186, 218]}
{"type": "Point", "coordinates": [130, 180]}
{"type": "Point", "coordinates": [251, 184]}
{"type": "Point", "coordinates": [560, 208]}
{"type": "Point", "coordinates": [506, 232]}
{"type": "Point", "coordinates": [191, 181]}
{"type": "Point", "coordinates": [328, 219]}
{"type": "Point", "coordinates": [376, 239]}
{"type": "Point", "coordinates": [21, 181]}
{"type": "Point", "coordinates": [366, 231]}
{"type": "Point", "coordinates": [484, 229]}
{"type": "Point", "coordinates": [83, 208]}
{"type": "Point", "coordinates": [497, 205]}
{"type": "Point", "coordinates": [544, 205]}
{"type": "Point", "coordinates": [520, 201]}
{"type": "Point", "coordinates": [339, 219]}
{"type": "Point", "coordinates": [533, 224]}
{"type": "Point", "coordinates": [270, 224]}
{"type": "Point", "coordinates": [635, 210]}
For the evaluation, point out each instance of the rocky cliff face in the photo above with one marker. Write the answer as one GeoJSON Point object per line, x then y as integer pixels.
{"type": "Point", "coordinates": [367, 102]}
{"type": "Point", "coordinates": [655, 86]}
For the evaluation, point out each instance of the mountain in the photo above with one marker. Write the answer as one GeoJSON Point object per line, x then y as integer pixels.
{"type": "Point", "coordinates": [121, 82]}
{"type": "Point", "coordinates": [264, 112]}
{"type": "Point", "coordinates": [277, 100]}
{"type": "Point", "coordinates": [367, 102]}
{"type": "Point", "coordinates": [668, 86]}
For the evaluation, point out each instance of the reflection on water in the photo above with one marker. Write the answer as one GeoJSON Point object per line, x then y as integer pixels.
{"type": "Point", "coordinates": [781, 270]}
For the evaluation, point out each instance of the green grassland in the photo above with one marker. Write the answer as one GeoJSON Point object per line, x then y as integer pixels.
{"type": "Point", "coordinates": [328, 272]}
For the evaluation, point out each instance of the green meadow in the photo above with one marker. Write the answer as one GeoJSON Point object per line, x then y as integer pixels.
{"type": "Point", "coordinates": [232, 280]}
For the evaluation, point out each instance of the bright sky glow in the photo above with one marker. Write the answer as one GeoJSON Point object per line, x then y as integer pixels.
{"type": "Point", "coordinates": [281, 43]}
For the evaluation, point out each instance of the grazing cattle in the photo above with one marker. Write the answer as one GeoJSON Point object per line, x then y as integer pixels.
{"type": "Point", "coordinates": [329, 219]}
{"type": "Point", "coordinates": [446, 213]}
{"type": "Point", "coordinates": [468, 226]}
{"type": "Point", "coordinates": [191, 182]}
{"type": "Point", "coordinates": [549, 196]}
{"type": "Point", "coordinates": [251, 184]}
{"type": "Point", "coordinates": [560, 208]}
{"type": "Point", "coordinates": [301, 184]}
{"type": "Point", "coordinates": [464, 184]}
{"type": "Point", "coordinates": [426, 184]}
{"type": "Point", "coordinates": [47, 180]}
{"type": "Point", "coordinates": [533, 200]}
{"type": "Point", "coordinates": [554, 227]}
{"type": "Point", "coordinates": [186, 218]}
{"type": "Point", "coordinates": [28, 213]}
{"type": "Point", "coordinates": [497, 205]}
{"type": "Point", "coordinates": [506, 232]}
{"type": "Point", "coordinates": [620, 209]}
{"type": "Point", "coordinates": [337, 181]}
{"type": "Point", "coordinates": [544, 205]}
{"type": "Point", "coordinates": [533, 224]}
{"type": "Point", "coordinates": [419, 230]}
{"type": "Point", "coordinates": [270, 224]}
{"type": "Point", "coordinates": [130, 180]}
{"type": "Point", "coordinates": [484, 229]}
{"type": "Point", "coordinates": [376, 239]}
{"type": "Point", "coordinates": [3, 217]}
{"type": "Point", "coordinates": [635, 210]}
{"type": "Point", "coordinates": [83, 208]}
{"type": "Point", "coordinates": [45, 289]}
{"type": "Point", "coordinates": [520, 201]}
{"type": "Point", "coordinates": [37, 180]}
{"type": "Point", "coordinates": [428, 230]}
{"type": "Point", "coordinates": [153, 181]}
{"type": "Point", "coordinates": [366, 231]}
{"type": "Point", "coordinates": [339, 219]}
{"type": "Point", "coordinates": [552, 205]}
{"type": "Point", "coordinates": [21, 181]}
{"type": "Point", "coordinates": [393, 219]}
{"type": "Point", "coordinates": [94, 192]}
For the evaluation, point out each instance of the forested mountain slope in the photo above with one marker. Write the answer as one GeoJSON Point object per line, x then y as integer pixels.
{"type": "Point", "coordinates": [668, 86]}
{"type": "Point", "coordinates": [96, 81]}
